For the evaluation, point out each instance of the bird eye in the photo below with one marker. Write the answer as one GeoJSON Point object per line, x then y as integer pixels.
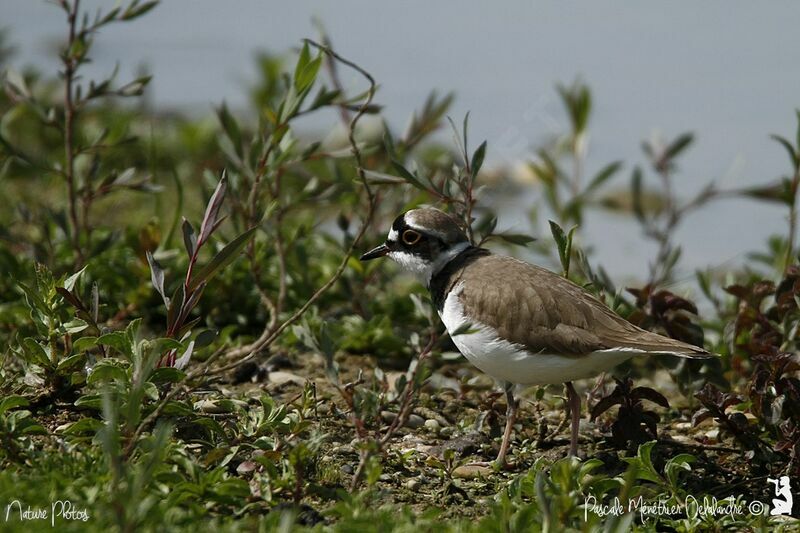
{"type": "Point", "coordinates": [411, 237]}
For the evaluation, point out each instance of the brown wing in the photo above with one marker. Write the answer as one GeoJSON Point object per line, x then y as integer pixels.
{"type": "Point", "coordinates": [547, 313]}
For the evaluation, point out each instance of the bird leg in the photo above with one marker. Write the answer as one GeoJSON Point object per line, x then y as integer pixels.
{"type": "Point", "coordinates": [574, 405]}
{"type": "Point", "coordinates": [511, 417]}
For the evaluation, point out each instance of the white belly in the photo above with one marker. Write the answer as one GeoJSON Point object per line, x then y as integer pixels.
{"type": "Point", "coordinates": [509, 362]}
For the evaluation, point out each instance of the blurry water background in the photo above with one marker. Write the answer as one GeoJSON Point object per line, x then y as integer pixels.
{"type": "Point", "coordinates": [726, 70]}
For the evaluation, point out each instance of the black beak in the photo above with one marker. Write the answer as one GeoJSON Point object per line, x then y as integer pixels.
{"type": "Point", "coordinates": [378, 251]}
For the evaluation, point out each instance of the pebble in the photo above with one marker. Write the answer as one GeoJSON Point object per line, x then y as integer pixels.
{"type": "Point", "coordinates": [245, 467]}
{"type": "Point", "coordinates": [432, 425]}
{"type": "Point", "coordinates": [347, 469]}
{"type": "Point", "coordinates": [471, 471]}
{"type": "Point", "coordinates": [280, 378]}
{"type": "Point", "coordinates": [412, 484]}
{"type": "Point", "coordinates": [415, 421]}
{"type": "Point", "coordinates": [344, 449]}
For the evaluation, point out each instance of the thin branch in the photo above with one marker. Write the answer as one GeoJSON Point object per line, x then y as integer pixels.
{"type": "Point", "coordinates": [333, 72]}
{"type": "Point", "coordinates": [792, 221]}
{"type": "Point", "coordinates": [406, 404]}
{"type": "Point", "coordinates": [70, 112]}
{"type": "Point", "coordinates": [268, 336]}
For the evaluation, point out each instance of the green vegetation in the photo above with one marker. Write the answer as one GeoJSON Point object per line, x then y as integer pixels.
{"type": "Point", "coordinates": [187, 340]}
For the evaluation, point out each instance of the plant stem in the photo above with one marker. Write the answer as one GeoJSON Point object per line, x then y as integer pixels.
{"type": "Point", "coordinates": [792, 222]}
{"type": "Point", "coordinates": [268, 335]}
{"type": "Point", "coordinates": [70, 113]}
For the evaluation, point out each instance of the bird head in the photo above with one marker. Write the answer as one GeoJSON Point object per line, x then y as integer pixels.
{"type": "Point", "coordinates": [422, 241]}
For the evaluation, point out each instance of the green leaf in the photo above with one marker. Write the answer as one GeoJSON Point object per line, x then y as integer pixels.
{"type": "Point", "coordinates": [380, 178]}
{"type": "Point", "coordinates": [69, 296]}
{"type": "Point", "coordinates": [117, 340]}
{"type": "Point", "coordinates": [519, 239]}
{"type": "Point", "coordinates": [793, 156]}
{"type": "Point", "coordinates": [673, 468]}
{"type": "Point", "coordinates": [71, 363]}
{"type": "Point", "coordinates": [167, 375]}
{"type": "Point", "coordinates": [222, 259]}
{"type": "Point", "coordinates": [33, 298]}
{"type": "Point", "coordinates": [136, 10]}
{"type": "Point", "coordinates": [302, 62]}
{"type": "Point", "coordinates": [678, 145]}
{"type": "Point", "coordinates": [15, 83]}
{"type": "Point", "coordinates": [189, 237]}
{"type": "Point", "coordinates": [211, 216]}
{"type": "Point", "coordinates": [477, 158]}
{"type": "Point", "coordinates": [84, 343]}
{"type": "Point", "coordinates": [636, 194]}
{"type": "Point", "coordinates": [604, 175]}
{"type": "Point", "coordinates": [75, 326]}
{"type": "Point", "coordinates": [205, 337]}
{"type": "Point", "coordinates": [175, 408]}
{"type": "Point", "coordinates": [69, 283]}
{"type": "Point", "coordinates": [564, 244]}
{"type": "Point", "coordinates": [212, 425]}
{"type": "Point", "coordinates": [108, 370]}
{"type": "Point", "coordinates": [408, 176]}
{"type": "Point", "coordinates": [33, 429]}
{"type": "Point", "coordinates": [309, 74]}
{"type": "Point", "coordinates": [797, 135]}
{"type": "Point", "coordinates": [85, 425]}
{"type": "Point", "coordinates": [175, 305]}
{"type": "Point", "coordinates": [12, 402]}
{"type": "Point", "coordinates": [91, 401]}
{"type": "Point", "coordinates": [36, 352]}
{"type": "Point", "coordinates": [231, 128]}
{"type": "Point", "coordinates": [157, 276]}
{"type": "Point", "coordinates": [780, 191]}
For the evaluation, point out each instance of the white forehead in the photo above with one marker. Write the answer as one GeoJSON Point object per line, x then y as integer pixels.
{"type": "Point", "coordinates": [393, 236]}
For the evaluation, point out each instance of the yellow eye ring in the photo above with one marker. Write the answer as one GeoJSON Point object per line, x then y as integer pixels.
{"type": "Point", "coordinates": [411, 237]}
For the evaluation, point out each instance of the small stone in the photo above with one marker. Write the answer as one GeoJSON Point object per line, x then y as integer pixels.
{"type": "Point", "coordinates": [245, 467]}
{"type": "Point", "coordinates": [344, 449]}
{"type": "Point", "coordinates": [385, 477]}
{"type": "Point", "coordinates": [432, 425]}
{"type": "Point", "coordinates": [412, 484]}
{"type": "Point", "coordinates": [415, 421]}
{"type": "Point", "coordinates": [683, 439]}
{"type": "Point", "coordinates": [471, 471]}
{"type": "Point", "coordinates": [447, 432]}
{"type": "Point", "coordinates": [281, 378]}
{"type": "Point", "coordinates": [347, 469]}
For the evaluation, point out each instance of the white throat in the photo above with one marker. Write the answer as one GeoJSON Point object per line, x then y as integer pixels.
{"type": "Point", "coordinates": [425, 270]}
